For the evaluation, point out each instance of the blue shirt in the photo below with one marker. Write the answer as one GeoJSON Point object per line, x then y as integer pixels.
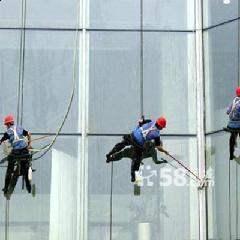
{"type": "Point", "coordinates": [146, 132]}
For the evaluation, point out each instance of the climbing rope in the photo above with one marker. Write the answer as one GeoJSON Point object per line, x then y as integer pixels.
{"type": "Point", "coordinates": [41, 138]}
{"type": "Point", "coordinates": [141, 56]}
{"type": "Point", "coordinates": [186, 168]}
{"type": "Point", "coordinates": [21, 63]}
{"type": "Point", "coordinates": [111, 201]}
{"type": "Point", "coordinates": [187, 174]}
{"type": "Point", "coordinates": [7, 220]}
{"type": "Point", "coordinates": [76, 40]}
{"type": "Point", "coordinates": [202, 182]}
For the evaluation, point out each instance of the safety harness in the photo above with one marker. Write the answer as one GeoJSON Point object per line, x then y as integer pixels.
{"type": "Point", "coordinates": [147, 131]}
{"type": "Point", "coordinates": [235, 103]}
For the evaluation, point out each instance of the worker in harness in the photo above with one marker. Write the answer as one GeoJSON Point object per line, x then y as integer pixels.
{"type": "Point", "coordinates": [20, 141]}
{"type": "Point", "coordinates": [145, 132]}
{"type": "Point", "coordinates": [148, 152]}
{"type": "Point", "coordinates": [234, 122]}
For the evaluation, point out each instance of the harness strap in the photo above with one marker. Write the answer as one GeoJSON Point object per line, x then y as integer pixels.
{"type": "Point", "coordinates": [147, 131]}
{"type": "Point", "coordinates": [236, 101]}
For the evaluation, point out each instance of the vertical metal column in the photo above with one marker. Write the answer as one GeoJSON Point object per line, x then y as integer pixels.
{"type": "Point", "coordinates": [237, 185]}
{"type": "Point", "coordinates": [200, 117]}
{"type": "Point", "coordinates": [83, 116]}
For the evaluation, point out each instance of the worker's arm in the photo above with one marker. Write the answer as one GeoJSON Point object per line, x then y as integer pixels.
{"type": "Point", "coordinates": [4, 138]}
{"type": "Point", "coordinates": [159, 146]}
{"type": "Point", "coordinates": [28, 135]}
{"type": "Point", "coordinates": [142, 121]}
{"type": "Point", "coordinates": [229, 109]}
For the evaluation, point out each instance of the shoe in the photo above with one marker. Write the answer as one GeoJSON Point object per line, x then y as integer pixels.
{"type": "Point", "coordinates": [7, 196]}
{"type": "Point", "coordinates": [5, 193]}
{"type": "Point", "coordinates": [108, 156]}
{"type": "Point", "coordinates": [133, 179]}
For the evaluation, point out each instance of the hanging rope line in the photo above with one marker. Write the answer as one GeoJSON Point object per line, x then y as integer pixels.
{"type": "Point", "coordinates": [141, 56]}
{"type": "Point", "coordinates": [74, 80]}
{"type": "Point", "coordinates": [187, 174]}
{"type": "Point", "coordinates": [41, 138]}
{"type": "Point", "coordinates": [24, 7]}
{"type": "Point", "coordinates": [186, 168]}
{"type": "Point", "coordinates": [7, 220]}
{"type": "Point", "coordinates": [20, 100]}
{"type": "Point", "coordinates": [111, 201]}
{"type": "Point", "coordinates": [21, 63]}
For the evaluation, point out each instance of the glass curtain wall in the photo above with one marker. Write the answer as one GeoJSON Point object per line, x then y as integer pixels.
{"type": "Point", "coordinates": [141, 61]}
{"type": "Point", "coordinates": [133, 58]}
{"type": "Point", "coordinates": [221, 51]}
{"type": "Point", "coordinates": [38, 49]}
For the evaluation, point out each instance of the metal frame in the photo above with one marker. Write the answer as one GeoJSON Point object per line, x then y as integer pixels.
{"type": "Point", "coordinates": [83, 124]}
{"type": "Point", "coordinates": [200, 118]}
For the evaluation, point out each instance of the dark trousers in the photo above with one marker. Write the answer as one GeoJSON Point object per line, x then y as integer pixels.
{"type": "Point", "coordinates": [232, 143]}
{"type": "Point", "coordinates": [24, 166]}
{"type": "Point", "coordinates": [138, 152]}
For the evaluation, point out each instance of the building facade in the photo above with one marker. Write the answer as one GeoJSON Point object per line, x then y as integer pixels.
{"type": "Point", "coordinates": [177, 58]}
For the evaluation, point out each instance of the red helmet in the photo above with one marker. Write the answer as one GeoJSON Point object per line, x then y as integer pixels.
{"type": "Point", "coordinates": [162, 122]}
{"type": "Point", "coordinates": [8, 119]}
{"type": "Point", "coordinates": [238, 91]}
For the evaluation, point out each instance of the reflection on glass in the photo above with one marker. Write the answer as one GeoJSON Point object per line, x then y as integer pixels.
{"type": "Point", "coordinates": [216, 12]}
{"type": "Point", "coordinates": [169, 86]}
{"type": "Point", "coordinates": [223, 194]}
{"type": "Point", "coordinates": [9, 68]}
{"type": "Point", "coordinates": [221, 67]}
{"type": "Point", "coordinates": [52, 213]}
{"type": "Point", "coordinates": [48, 81]}
{"type": "Point", "coordinates": [114, 105]}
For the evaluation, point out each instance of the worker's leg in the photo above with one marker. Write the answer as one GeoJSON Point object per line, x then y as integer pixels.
{"type": "Point", "coordinates": [136, 163]}
{"type": "Point", "coordinates": [119, 146]}
{"type": "Point", "coordinates": [232, 143]}
{"type": "Point", "coordinates": [25, 168]}
{"type": "Point", "coordinates": [10, 169]}
{"type": "Point", "coordinates": [125, 153]}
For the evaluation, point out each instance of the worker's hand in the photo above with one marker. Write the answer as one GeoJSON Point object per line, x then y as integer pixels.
{"type": "Point", "coordinates": [166, 152]}
{"type": "Point", "coordinates": [30, 146]}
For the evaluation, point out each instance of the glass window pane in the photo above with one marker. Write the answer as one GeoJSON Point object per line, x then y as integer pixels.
{"type": "Point", "coordinates": [169, 80]}
{"type": "Point", "coordinates": [52, 213]}
{"type": "Point", "coordinates": [121, 14]}
{"type": "Point", "coordinates": [48, 83]}
{"type": "Point", "coordinates": [221, 73]}
{"type": "Point", "coordinates": [9, 68]}
{"type": "Point", "coordinates": [159, 207]}
{"type": "Point", "coordinates": [52, 13]}
{"type": "Point", "coordinates": [10, 12]}
{"type": "Point", "coordinates": [114, 82]}
{"type": "Point", "coordinates": [169, 15]}
{"type": "Point", "coordinates": [218, 11]}
{"type": "Point", "coordinates": [218, 194]}
{"type": "Point", "coordinates": [99, 180]}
